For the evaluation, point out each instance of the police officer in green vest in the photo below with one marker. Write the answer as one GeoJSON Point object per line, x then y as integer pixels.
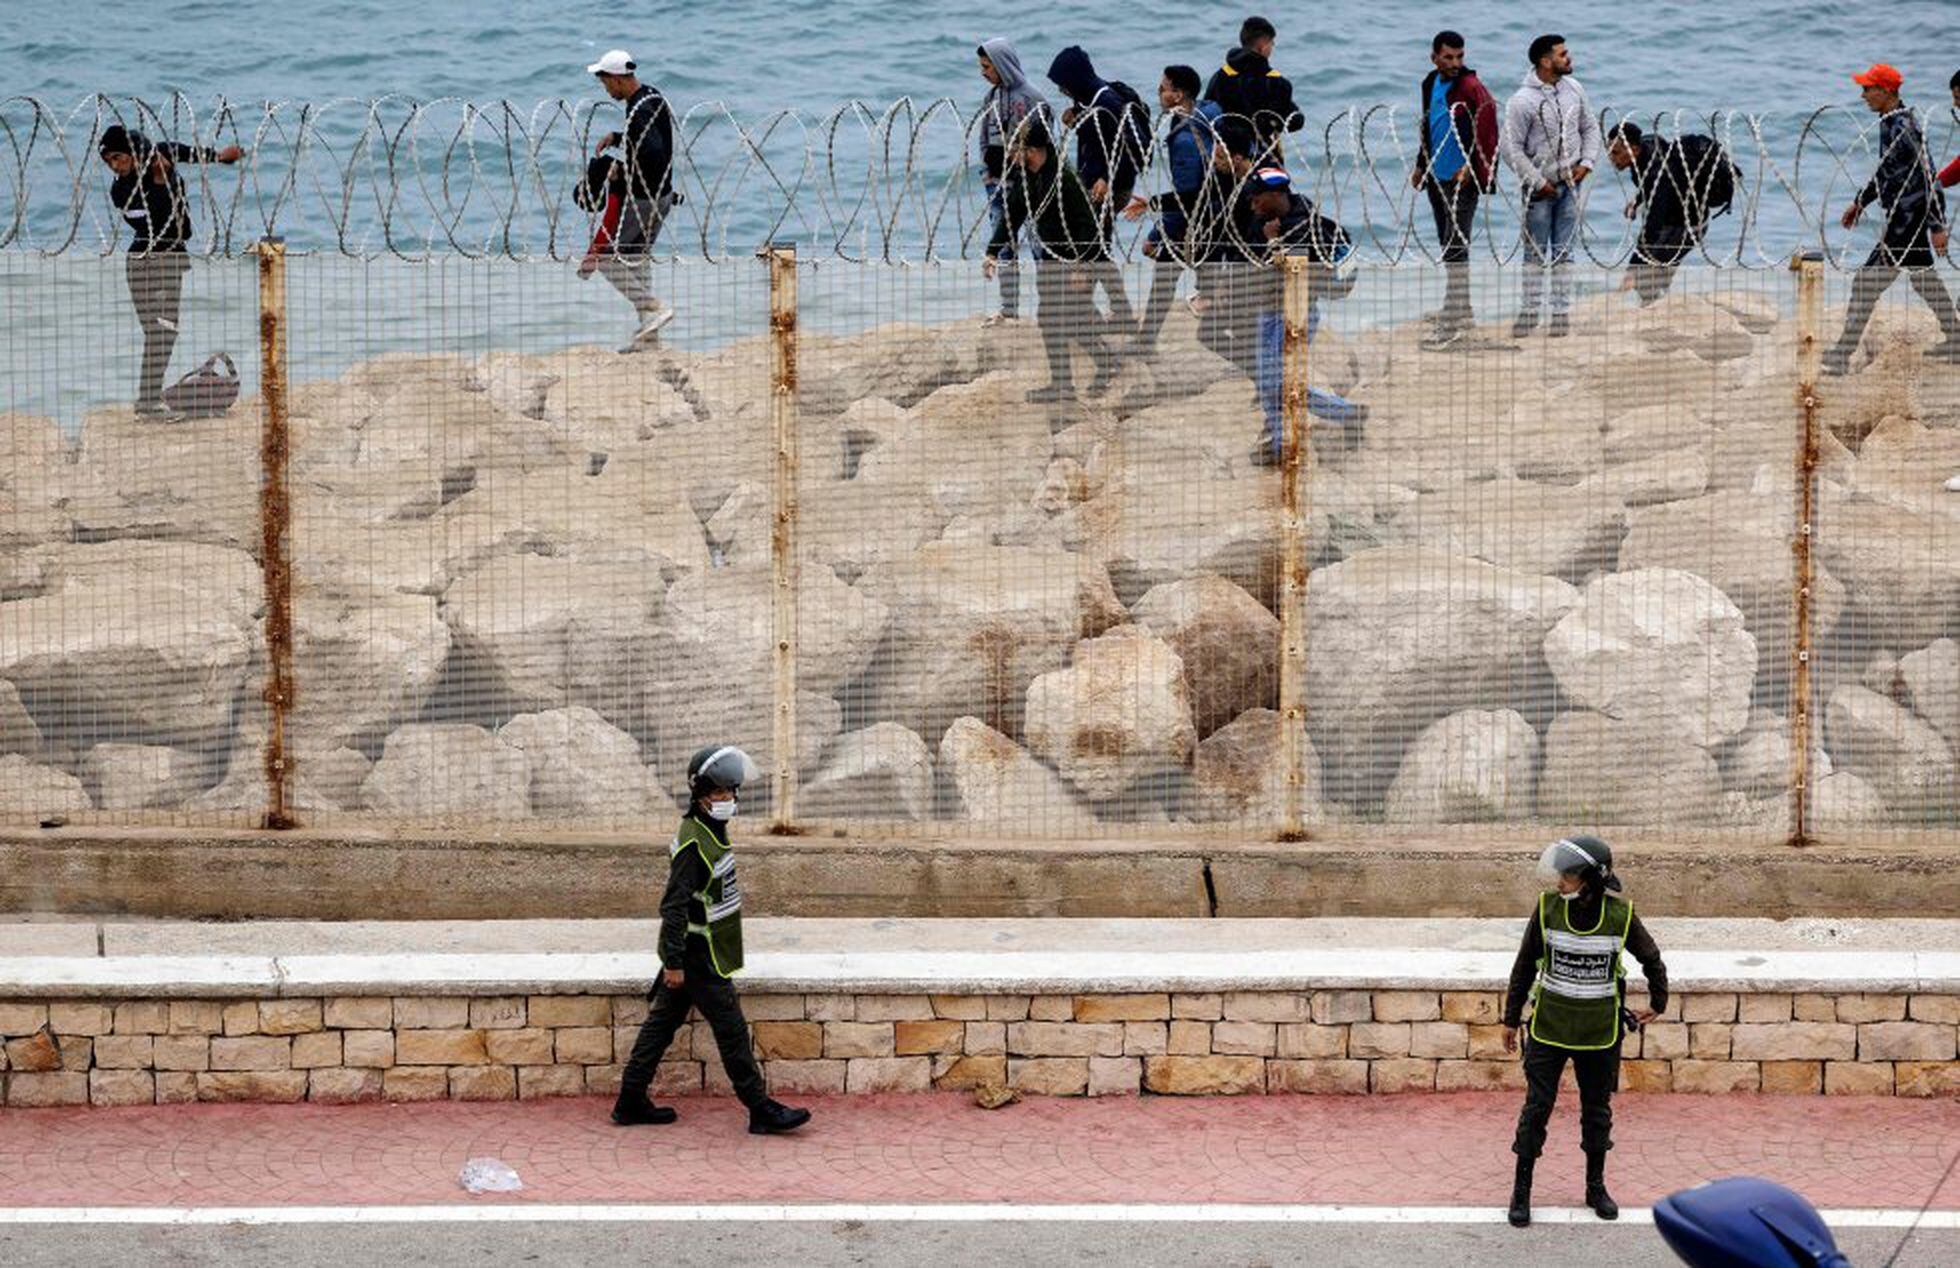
{"type": "Point", "coordinates": [700, 950]}
{"type": "Point", "coordinates": [1569, 965]}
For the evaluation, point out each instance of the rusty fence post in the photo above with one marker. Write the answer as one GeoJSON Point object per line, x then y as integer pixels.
{"type": "Point", "coordinates": [275, 528]}
{"type": "Point", "coordinates": [1809, 268]}
{"type": "Point", "coordinates": [1295, 471]}
{"type": "Point", "coordinates": [782, 537]}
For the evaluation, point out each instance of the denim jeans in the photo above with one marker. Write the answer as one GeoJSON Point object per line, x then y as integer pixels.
{"type": "Point", "coordinates": [1321, 404]}
{"type": "Point", "coordinates": [1551, 225]}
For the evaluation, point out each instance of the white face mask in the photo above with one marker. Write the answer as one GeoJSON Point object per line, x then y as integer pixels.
{"type": "Point", "coordinates": [1569, 897]}
{"type": "Point", "coordinates": [722, 810]}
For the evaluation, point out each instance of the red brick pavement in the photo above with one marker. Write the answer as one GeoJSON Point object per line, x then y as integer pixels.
{"type": "Point", "coordinates": [1449, 1150]}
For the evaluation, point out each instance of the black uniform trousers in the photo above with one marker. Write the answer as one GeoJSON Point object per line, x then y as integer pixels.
{"type": "Point", "coordinates": [1598, 1073]}
{"type": "Point", "coordinates": [720, 1006]}
{"type": "Point", "coordinates": [1907, 244]}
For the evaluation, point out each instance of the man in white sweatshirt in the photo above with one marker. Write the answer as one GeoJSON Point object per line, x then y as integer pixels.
{"type": "Point", "coordinates": [1551, 140]}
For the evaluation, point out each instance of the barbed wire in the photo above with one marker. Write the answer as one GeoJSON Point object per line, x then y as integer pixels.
{"type": "Point", "coordinates": [393, 176]}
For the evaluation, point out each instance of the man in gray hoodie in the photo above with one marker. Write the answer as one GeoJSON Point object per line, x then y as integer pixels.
{"type": "Point", "coordinates": [1009, 104]}
{"type": "Point", "coordinates": [1551, 140]}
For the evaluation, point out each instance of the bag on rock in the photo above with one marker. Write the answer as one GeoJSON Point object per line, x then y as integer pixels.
{"type": "Point", "coordinates": [206, 390]}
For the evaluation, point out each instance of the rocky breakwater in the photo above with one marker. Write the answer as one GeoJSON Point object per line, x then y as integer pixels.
{"type": "Point", "coordinates": [1546, 584]}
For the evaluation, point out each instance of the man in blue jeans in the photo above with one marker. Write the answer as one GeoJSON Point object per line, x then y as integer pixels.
{"type": "Point", "coordinates": [1288, 222]}
{"type": "Point", "coordinates": [1551, 140]}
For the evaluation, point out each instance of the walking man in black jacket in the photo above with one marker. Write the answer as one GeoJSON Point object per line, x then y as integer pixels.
{"type": "Point", "coordinates": [647, 196]}
{"type": "Point", "coordinates": [1569, 968]}
{"type": "Point", "coordinates": [1247, 86]}
{"type": "Point", "coordinates": [1112, 138]}
{"type": "Point", "coordinates": [148, 193]}
{"type": "Point", "coordinates": [700, 950]}
{"type": "Point", "coordinates": [1043, 194]}
{"type": "Point", "coordinates": [1915, 223]}
{"type": "Point", "coordinates": [1681, 184]}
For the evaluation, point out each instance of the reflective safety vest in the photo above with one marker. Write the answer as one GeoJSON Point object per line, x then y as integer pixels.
{"type": "Point", "coordinates": [720, 899]}
{"type": "Point", "coordinates": [1576, 1002]}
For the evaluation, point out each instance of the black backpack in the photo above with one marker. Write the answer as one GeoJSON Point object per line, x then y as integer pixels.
{"type": "Point", "coordinates": [1132, 131]}
{"type": "Point", "coordinates": [1711, 176]}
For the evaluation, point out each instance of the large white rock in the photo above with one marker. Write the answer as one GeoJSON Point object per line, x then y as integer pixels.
{"type": "Point", "coordinates": [974, 448]}
{"type": "Point", "coordinates": [1542, 529]}
{"type": "Point", "coordinates": [30, 791]}
{"type": "Point", "coordinates": [972, 626]}
{"type": "Point", "coordinates": [1239, 775]}
{"type": "Point", "coordinates": [1899, 565]}
{"type": "Point", "coordinates": [36, 481]}
{"type": "Point", "coordinates": [134, 641]}
{"type": "Point", "coordinates": [1228, 642]}
{"type": "Point", "coordinates": [365, 661]}
{"type": "Point", "coordinates": [1657, 647]}
{"type": "Point", "coordinates": [142, 776]}
{"type": "Point", "coordinates": [1599, 770]}
{"type": "Point", "coordinates": [1399, 637]}
{"type": "Point", "coordinates": [539, 633]}
{"type": "Point", "coordinates": [1758, 763]}
{"type": "Point", "coordinates": [994, 781]}
{"type": "Point", "coordinates": [1932, 679]}
{"type": "Point", "coordinates": [450, 772]}
{"type": "Point", "coordinates": [1117, 716]}
{"type": "Point", "coordinates": [583, 767]}
{"type": "Point", "coordinates": [883, 772]}
{"type": "Point", "coordinates": [1476, 766]}
{"type": "Point", "coordinates": [195, 481]}
{"type": "Point", "coordinates": [1740, 543]}
{"type": "Point", "coordinates": [1149, 533]}
{"type": "Point", "coordinates": [1843, 800]}
{"type": "Point", "coordinates": [1692, 323]}
{"type": "Point", "coordinates": [1901, 757]}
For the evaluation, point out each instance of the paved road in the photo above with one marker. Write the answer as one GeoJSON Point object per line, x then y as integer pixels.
{"type": "Point", "coordinates": [720, 1245]}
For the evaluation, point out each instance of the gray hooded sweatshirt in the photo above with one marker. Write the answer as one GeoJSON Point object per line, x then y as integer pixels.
{"type": "Point", "coordinates": [1549, 129]}
{"type": "Point", "coordinates": [1005, 108]}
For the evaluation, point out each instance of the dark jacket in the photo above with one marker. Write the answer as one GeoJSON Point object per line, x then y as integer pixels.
{"type": "Point", "coordinates": [158, 212]}
{"type": "Point", "coordinates": [1110, 140]}
{"type": "Point", "coordinates": [1903, 183]}
{"type": "Point", "coordinates": [649, 167]}
{"type": "Point", "coordinates": [1473, 112]}
{"type": "Point", "coordinates": [687, 875]}
{"type": "Point", "coordinates": [1055, 203]}
{"type": "Point", "coordinates": [1672, 186]}
{"type": "Point", "coordinates": [1247, 86]}
{"type": "Point", "coordinates": [1585, 913]}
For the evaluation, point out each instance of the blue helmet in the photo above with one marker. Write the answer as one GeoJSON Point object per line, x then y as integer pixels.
{"type": "Point", "coordinates": [1745, 1223]}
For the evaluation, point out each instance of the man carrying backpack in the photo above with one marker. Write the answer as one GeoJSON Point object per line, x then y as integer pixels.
{"type": "Point", "coordinates": [1112, 139]}
{"type": "Point", "coordinates": [646, 179]}
{"type": "Point", "coordinates": [1682, 184]}
{"type": "Point", "coordinates": [1248, 87]}
{"type": "Point", "coordinates": [1188, 143]}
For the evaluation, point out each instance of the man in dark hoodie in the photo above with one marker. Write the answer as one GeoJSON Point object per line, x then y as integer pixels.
{"type": "Point", "coordinates": [1112, 140]}
{"type": "Point", "coordinates": [701, 952]}
{"type": "Point", "coordinates": [1043, 194]}
{"type": "Point", "coordinates": [647, 194]}
{"type": "Point", "coordinates": [148, 193]}
{"type": "Point", "coordinates": [1010, 102]}
{"type": "Point", "coordinates": [1680, 184]}
{"type": "Point", "coordinates": [1456, 162]}
{"type": "Point", "coordinates": [1248, 86]}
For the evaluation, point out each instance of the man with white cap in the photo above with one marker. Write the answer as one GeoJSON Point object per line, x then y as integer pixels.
{"type": "Point", "coordinates": [1569, 966]}
{"type": "Point", "coordinates": [646, 187]}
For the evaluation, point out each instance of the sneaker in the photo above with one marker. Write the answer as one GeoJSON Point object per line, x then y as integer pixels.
{"type": "Point", "coordinates": [1524, 325]}
{"type": "Point", "coordinates": [1559, 327]}
{"type": "Point", "coordinates": [773, 1118]}
{"type": "Point", "coordinates": [652, 321]}
{"type": "Point", "coordinates": [1051, 394]}
{"type": "Point", "coordinates": [1953, 484]}
{"type": "Point", "coordinates": [638, 1111]}
{"type": "Point", "coordinates": [1445, 335]}
{"type": "Point", "coordinates": [1263, 455]}
{"type": "Point", "coordinates": [150, 409]}
{"type": "Point", "coordinates": [1835, 362]}
{"type": "Point", "coordinates": [999, 319]}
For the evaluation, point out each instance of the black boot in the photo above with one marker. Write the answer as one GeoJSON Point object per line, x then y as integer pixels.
{"type": "Point", "coordinates": [1520, 1212]}
{"type": "Point", "coordinates": [633, 1109]}
{"type": "Point", "coordinates": [1597, 1197]}
{"type": "Point", "coordinates": [772, 1118]}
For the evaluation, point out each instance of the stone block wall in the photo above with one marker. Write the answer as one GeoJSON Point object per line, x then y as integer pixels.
{"type": "Point", "coordinates": [416, 1048]}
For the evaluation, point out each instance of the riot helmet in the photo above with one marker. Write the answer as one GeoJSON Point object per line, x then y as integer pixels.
{"type": "Point", "coordinates": [1587, 857]}
{"type": "Point", "coordinates": [719, 766]}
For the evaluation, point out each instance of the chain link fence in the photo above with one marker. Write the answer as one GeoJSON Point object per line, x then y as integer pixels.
{"type": "Point", "coordinates": [453, 560]}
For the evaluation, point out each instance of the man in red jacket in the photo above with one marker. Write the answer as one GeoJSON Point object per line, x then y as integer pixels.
{"type": "Point", "coordinates": [1455, 160]}
{"type": "Point", "coordinates": [1950, 174]}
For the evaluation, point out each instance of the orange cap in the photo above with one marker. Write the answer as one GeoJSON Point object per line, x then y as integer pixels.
{"type": "Point", "coordinates": [1880, 76]}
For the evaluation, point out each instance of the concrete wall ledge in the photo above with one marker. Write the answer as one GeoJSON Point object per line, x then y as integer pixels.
{"type": "Point", "coordinates": [952, 957]}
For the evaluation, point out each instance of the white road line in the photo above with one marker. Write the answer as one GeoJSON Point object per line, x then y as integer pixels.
{"type": "Point", "coordinates": [519, 1212]}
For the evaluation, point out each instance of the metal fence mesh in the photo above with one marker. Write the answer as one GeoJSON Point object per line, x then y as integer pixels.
{"type": "Point", "coordinates": [1540, 580]}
